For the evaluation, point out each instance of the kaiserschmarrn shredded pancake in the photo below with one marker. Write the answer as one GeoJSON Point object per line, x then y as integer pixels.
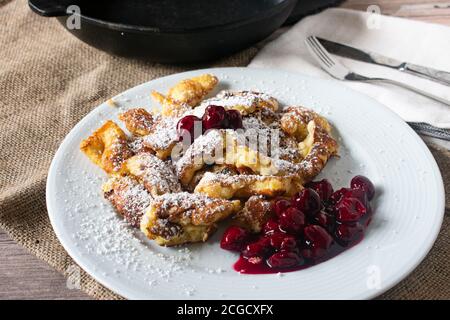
{"type": "Point", "coordinates": [177, 190]}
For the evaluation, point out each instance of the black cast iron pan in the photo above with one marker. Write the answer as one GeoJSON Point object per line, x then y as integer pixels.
{"type": "Point", "coordinates": [170, 30]}
{"type": "Point", "coordinates": [307, 7]}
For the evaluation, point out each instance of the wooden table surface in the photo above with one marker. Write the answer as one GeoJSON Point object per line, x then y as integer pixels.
{"type": "Point", "coordinates": [23, 276]}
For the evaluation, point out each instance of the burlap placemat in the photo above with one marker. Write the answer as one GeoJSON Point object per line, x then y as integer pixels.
{"type": "Point", "coordinates": [49, 80]}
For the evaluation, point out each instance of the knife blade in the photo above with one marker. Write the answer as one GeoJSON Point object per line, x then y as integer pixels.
{"type": "Point", "coordinates": [346, 51]}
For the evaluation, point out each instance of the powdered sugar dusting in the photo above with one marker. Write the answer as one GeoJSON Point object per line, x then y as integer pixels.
{"type": "Point", "coordinates": [248, 100]}
{"type": "Point", "coordinates": [185, 200]}
{"type": "Point", "coordinates": [203, 146]}
{"type": "Point", "coordinates": [164, 135]}
{"type": "Point", "coordinates": [158, 176]}
{"type": "Point", "coordinates": [133, 198]}
{"type": "Point", "coordinates": [243, 98]}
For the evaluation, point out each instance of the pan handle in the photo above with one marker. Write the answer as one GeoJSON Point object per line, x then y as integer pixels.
{"type": "Point", "coordinates": [50, 8]}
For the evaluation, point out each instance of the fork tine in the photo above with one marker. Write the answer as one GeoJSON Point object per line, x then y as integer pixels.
{"type": "Point", "coordinates": [326, 62]}
{"type": "Point", "coordinates": [322, 50]}
{"type": "Point", "coordinates": [316, 53]}
{"type": "Point", "coordinates": [324, 53]}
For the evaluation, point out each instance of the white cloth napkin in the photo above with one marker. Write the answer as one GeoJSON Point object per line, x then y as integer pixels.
{"type": "Point", "coordinates": [406, 40]}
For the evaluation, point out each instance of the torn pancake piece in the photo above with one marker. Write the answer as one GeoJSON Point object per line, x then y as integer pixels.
{"type": "Point", "coordinates": [243, 186]}
{"type": "Point", "coordinates": [157, 176]}
{"type": "Point", "coordinates": [185, 94]}
{"type": "Point", "coordinates": [177, 218]}
{"type": "Point", "coordinates": [129, 198]}
{"type": "Point", "coordinates": [246, 102]}
{"type": "Point", "coordinates": [107, 147]}
{"type": "Point", "coordinates": [255, 213]}
{"type": "Point", "coordinates": [315, 142]}
{"type": "Point", "coordinates": [138, 121]}
{"type": "Point", "coordinates": [163, 137]}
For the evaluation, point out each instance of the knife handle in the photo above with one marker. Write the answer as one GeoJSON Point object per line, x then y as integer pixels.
{"type": "Point", "coordinates": [399, 84]}
{"type": "Point", "coordinates": [431, 131]}
{"type": "Point", "coordinates": [428, 73]}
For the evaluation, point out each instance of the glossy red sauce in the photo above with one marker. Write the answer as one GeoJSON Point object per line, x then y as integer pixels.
{"type": "Point", "coordinates": [243, 266]}
{"type": "Point", "coordinates": [314, 226]}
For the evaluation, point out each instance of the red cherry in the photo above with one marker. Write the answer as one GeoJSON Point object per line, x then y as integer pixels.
{"type": "Point", "coordinates": [307, 253]}
{"type": "Point", "coordinates": [315, 253]}
{"type": "Point", "coordinates": [289, 244]}
{"type": "Point", "coordinates": [325, 220]}
{"type": "Point", "coordinates": [350, 233]}
{"type": "Point", "coordinates": [281, 206]}
{"type": "Point", "coordinates": [186, 125]}
{"type": "Point", "coordinates": [307, 201]}
{"type": "Point", "coordinates": [234, 119]}
{"type": "Point", "coordinates": [318, 240]}
{"type": "Point", "coordinates": [234, 238]}
{"type": "Point", "coordinates": [361, 182]}
{"type": "Point", "coordinates": [213, 118]}
{"type": "Point", "coordinates": [277, 238]}
{"type": "Point", "coordinates": [348, 193]}
{"type": "Point", "coordinates": [260, 248]}
{"type": "Point", "coordinates": [292, 221]}
{"type": "Point", "coordinates": [284, 259]}
{"type": "Point", "coordinates": [323, 188]}
{"type": "Point", "coordinates": [350, 210]}
{"type": "Point", "coordinates": [367, 218]}
{"type": "Point", "coordinates": [337, 196]}
{"type": "Point", "coordinates": [270, 227]}
{"type": "Point", "coordinates": [358, 194]}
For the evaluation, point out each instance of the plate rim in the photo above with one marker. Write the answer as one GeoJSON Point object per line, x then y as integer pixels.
{"type": "Point", "coordinates": [125, 293]}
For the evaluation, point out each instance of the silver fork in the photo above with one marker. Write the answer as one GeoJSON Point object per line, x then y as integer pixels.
{"type": "Point", "coordinates": [338, 71]}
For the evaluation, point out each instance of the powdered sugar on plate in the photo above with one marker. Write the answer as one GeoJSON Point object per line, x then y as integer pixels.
{"type": "Point", "coordinates": [103, 234]}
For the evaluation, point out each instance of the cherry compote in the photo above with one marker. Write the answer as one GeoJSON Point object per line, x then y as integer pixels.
{"type": "Point", "coordinates": [314, 226]}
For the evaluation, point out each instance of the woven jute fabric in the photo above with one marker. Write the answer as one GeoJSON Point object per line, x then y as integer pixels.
{"type": "Point", "coordinates": [48, 81]}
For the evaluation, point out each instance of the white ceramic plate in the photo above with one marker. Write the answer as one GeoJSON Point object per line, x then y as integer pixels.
{"type": "Point", "coordinates": [375, 142]}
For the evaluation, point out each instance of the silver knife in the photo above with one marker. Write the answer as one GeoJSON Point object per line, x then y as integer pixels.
{"type": "Point", "coordinates": [375, 58]}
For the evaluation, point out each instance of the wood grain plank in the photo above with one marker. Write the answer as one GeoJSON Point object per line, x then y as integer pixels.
{"type": "Point", "coordinates": [23, 276]}
{"type": "Point", "coordinates": [434, 11]}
